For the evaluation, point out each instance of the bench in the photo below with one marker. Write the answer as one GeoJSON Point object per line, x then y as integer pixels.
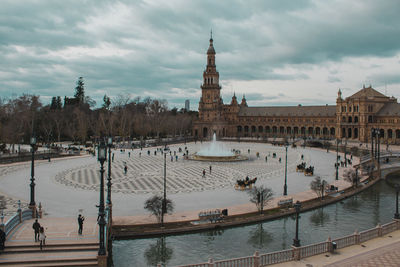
{"type": "Point", "coordinates": [285, 203]}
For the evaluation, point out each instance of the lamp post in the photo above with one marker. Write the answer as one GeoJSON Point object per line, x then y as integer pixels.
{"type": "Point", "coordinates": [164, 202]}
{"type": "Point", "coordinates": [345, 153]}
{"type": "Point", "coordinates": [296, 241]}
{"type": "Point", "coordinates": [396, 215]}
{"type": "Point", "coordinates": [285, 185]}
{"type": "Point", "coordinates": [32, 204]}
{"type": "Point", "coordinates": [109, 145]}
{"type": "Point", "coordinates": [102, 155]}
{"type": "Point", "coordinates": [337, 159]}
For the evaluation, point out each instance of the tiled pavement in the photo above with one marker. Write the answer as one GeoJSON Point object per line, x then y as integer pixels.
{"type": "Point", "coordinates": [386, 256]}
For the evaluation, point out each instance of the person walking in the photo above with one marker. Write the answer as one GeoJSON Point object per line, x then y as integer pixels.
{"type": "Point", "coordinates": [36, 228]}
{"type": "Point", "coordinates": [80, 223]}
{"type": "Point", "coordinates": [204, 173]}
{"type": "Point", "coordinates": [210, 169]}
{"type": "Point", "coordinates": [42, 237]}
{"type": "Point", "coordinates": [125, 169]}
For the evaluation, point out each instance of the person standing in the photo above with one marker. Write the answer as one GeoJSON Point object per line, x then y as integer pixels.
{"type": "Point", "coordinates": [36, 228]}
{"type": "Point", "coordinates": [42, 237]}
{"type": "Point", "coordinates": [80, 223]}
{"type": "Point", "coordinates": [125, 169]}
{"type": "Point", "coordinates": [204, 173]}
{"type": "Point", "coordinates": [210, 169]}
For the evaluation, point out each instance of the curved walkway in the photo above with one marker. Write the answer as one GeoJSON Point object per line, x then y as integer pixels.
{"type": "Point", "coordinates": [382, 251]}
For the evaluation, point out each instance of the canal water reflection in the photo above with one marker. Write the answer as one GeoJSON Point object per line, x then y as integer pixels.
{"type": "Point", "coordinates": [361, 212]}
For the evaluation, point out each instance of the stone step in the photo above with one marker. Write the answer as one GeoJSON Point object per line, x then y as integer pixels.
{"type": "Point", "coordinates": [49, 259]}
{"type": "Point", "coordinates": [51, 248]}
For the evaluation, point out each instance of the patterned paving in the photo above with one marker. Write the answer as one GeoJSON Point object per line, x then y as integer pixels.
{"type": "Point", "coordinates": [145, 172]}
{"type": "Point", "coordinates": [386, 256]}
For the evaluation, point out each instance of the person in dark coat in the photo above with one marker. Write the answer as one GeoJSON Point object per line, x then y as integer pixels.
{"type": "Point", "coordinates": [2, 239]}
{"type": "Point", "coordinates": [36, 228]}
{"type": "Point", "coordinates": [80, 223]}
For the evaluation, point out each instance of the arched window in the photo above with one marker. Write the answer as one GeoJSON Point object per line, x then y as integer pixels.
{"type": "Point", "coordinates": [355, 133]}
{"type": "Point", "coordinates": [350, 119]}
{"type": "Point", "coordinates": [369, 118]}
{"type": "Point", "coordinates": [349, 133]}
{"type": "Point", "coordinates": [281, 130]}
{"type": "Point", "coordinates": [260, 129]}
{"type": "Point", "coordinates": [267, 129]}
{"type": "Point", "coordinates": [239, 129]}
{"type": "Point", "coordinates": [246, 129]}
{"type": "Point", "coordinates": [317, 131]}
{"type": "Point", "coordinates": [296, 130]}
{"type": "Point", "coordinates": [356, 119]}
{"type": "Point", "coordinates": [253, 129]}
{"type": "Point", "coordinates": [390, 133]}
{"type": "Point", "coordinates": [397, 134]}
{"type": "Point", "coordinates": [343, 119]}
{"type": "Point", "coordinates": [332, 131]}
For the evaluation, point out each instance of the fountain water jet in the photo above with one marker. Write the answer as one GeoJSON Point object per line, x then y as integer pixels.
{"type": "Point", "coordinates": [215, 151]}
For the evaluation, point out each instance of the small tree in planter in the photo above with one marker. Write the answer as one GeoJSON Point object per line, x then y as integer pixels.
{"type": "Point", "coordinates": [318, 186]}
{"type": "Point", "coordinates": [351, 176]}
{"type": "Point", "coordinates": [154, 205]}
{"type": "Point", "coordinates": [260, 196]}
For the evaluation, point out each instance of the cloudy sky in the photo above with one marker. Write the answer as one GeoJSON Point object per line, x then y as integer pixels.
{"type": "Point", "coordinates": [275, 52]}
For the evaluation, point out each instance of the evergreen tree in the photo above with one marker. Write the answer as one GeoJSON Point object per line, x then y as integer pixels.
{"type": "Point", "coordinates": [107, 102]}
{"type": "Point", "coordinates": [58, 102]}
{"type": "Point", "coordinates": [53, 104]}
{"type": "Point", "coordinates": [80, 90]}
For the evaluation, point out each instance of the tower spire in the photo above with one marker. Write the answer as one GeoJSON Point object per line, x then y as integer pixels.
{"type": "Point", "coordinates": [211, 34]}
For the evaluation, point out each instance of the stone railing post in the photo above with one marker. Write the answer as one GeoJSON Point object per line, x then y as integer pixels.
{"type": "Point", "coordinates": [357, 237]}
{"type": "Point", "coordinates": [397, 223]}
{"type": "Point", "coordinates": [379, 227]}
{"type": "Point", "coordinates": [296, 253]}
{"type": "Point", "coordinates": [329, 244]}
{"type": "Point", "coordinates": [256, 259]}
{"type": "Point", "coordinates": [210, 263]}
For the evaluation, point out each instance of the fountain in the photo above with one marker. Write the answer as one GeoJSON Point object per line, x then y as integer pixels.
{"type": "Point", "coordinates": [215, 151]}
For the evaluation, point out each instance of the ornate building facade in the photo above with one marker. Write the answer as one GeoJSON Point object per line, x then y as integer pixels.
{"type": "Point", "coordinates": [352, 117]}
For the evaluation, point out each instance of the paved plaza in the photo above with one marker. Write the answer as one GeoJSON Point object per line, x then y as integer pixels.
{"type": "Point", "coordinates": [66, 187]}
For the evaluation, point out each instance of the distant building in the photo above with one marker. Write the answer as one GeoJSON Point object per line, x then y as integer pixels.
{"type": "Point", "coordinates": [352, 117]}
{"type": "Point", "coordinates": [187, 104]}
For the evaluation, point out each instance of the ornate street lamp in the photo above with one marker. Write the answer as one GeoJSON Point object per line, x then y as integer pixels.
{"type": "Point", "coordinates": [164, 202]}
{"type": "Point", "coordinates": [396, 215]}
{"type": "Point", "coordinates": [285, 185]}
{"type": "Point", "coordinates": [109, 145]}
{"type": "Point", "coordinates": [345, 153]}
{"type": "Point", "coordinates": [337, 159]}
{"type": "Point", "coordinates": [102, 156]}
{"type": "Point", "coordinates": [296, 241]}
{"type": "Point", "coordinates": [32, 204]}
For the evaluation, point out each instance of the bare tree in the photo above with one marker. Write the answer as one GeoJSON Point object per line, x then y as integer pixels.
{"type": "Point", "coordinates": [318, 186]}
{"type": "Point", "coordinates": [351, 176]}
{"type": "Point", "coordinates": [154, 205]}
{"type": "Point", "coordinates": [260, 196]}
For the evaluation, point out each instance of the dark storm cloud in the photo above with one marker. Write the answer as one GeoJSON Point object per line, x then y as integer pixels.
{"type": "Point", "coordinates": [150, 47]}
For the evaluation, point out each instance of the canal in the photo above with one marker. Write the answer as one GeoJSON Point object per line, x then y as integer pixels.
{"type": "Point", "coordinates": [363, 211]}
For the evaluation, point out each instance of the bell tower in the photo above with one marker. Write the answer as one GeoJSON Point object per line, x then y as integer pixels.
{"type": "Point", "coordinates": [210, 105]}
